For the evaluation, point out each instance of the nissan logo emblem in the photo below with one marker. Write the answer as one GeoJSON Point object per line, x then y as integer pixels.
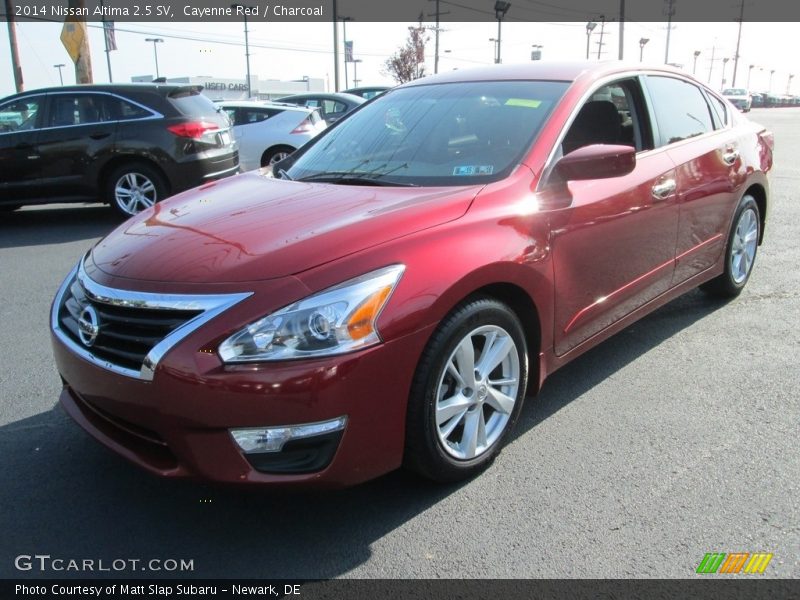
{"type": "Point", "coordinates": [88, 326]}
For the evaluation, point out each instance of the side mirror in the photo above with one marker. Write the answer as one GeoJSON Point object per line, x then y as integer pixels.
{"type": "Point", "coordinates": [597, 161]}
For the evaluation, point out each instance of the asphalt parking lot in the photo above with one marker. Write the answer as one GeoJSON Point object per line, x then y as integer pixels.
{"type": "Point", "coordinates": [678, 437]}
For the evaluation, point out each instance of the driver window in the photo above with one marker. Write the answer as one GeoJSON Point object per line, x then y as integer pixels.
{"type": "Point", "coordinates": [609, 116]}
{"type": "Point", "coordinates": [19, 115]}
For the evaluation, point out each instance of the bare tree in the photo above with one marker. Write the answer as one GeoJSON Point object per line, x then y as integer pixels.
{"type": "Point", "coordinates": [408, 62]}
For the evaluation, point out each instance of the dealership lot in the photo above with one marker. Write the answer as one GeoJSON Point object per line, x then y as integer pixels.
{"type": "Point", "coordinates": [676, 438]}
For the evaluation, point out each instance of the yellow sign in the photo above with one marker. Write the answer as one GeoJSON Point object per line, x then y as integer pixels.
{"type": "Point", "coordinates": [72, 36]}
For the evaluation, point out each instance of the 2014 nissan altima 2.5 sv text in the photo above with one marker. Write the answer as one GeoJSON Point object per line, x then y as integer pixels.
{"type": "Point", "coordinates": [390, 293]}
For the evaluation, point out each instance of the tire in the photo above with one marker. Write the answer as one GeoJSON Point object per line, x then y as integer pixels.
{"type": "Point", "coordinates": [275, 154]}
{"type": "Point", "coordinates": [444, 437]}
{"type": "Point", "coordinates": [133, 187]}
{"type": "Point", "coordinates": [740, 251]}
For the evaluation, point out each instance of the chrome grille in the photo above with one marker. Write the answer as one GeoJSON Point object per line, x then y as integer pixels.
{"type": "Point", "coordinates": [126, 331]}
{"type": "Point", "coordinates": [125, 334]}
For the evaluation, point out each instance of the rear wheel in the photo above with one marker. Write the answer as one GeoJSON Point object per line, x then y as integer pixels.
{"type": "Point", "coordinates": [276, 154]}
{"type": "Point", "coordinates": [740, 251]}
{"type": "Point", "coordinates": [134, 187]}
{"type": "Point", "coordinates": [467, 392]}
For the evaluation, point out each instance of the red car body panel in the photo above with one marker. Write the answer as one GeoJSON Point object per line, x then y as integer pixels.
{"type": "Point", "coordinates": [577, 265]}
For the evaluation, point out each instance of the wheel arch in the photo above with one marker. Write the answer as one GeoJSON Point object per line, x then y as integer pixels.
{"type": "Point", "coordinates": [759, 193]}
{"type": "Point", "coordinates": [125, 159]}
{"type": "Point", "coordinates": [273, 148]}
{"type": "Point", "coordinates": [524, 290]}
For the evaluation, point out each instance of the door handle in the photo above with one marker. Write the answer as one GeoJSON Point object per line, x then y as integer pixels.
{"type": "Point", "coordinates": [729, 156]}
{"type": "Point", "coordinates": [664, 189]}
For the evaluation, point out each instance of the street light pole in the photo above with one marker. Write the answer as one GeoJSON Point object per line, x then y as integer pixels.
{"type": "Point", "coordinates": [494, 48]}
{"type": "Point", "coordinates": [355, 71]}
{"type": "Point", "coordinates": [749, 73]}
{"type": "Point", "coordinates": [500, 9]}
{"type": "Point", "coordinates": [60, 76]}
{"type": "Point", "coordinates": [771, 73]}
{"type": "Point", "coordinates": [642, 44]}
{"type": "Point", "coordinates": [155, 41]}
{"type": "Point", "coordinates": [589, 28]}
{"type": "Point", "coordinates": [724, 64]}
{"type": "Point", "coordinates": [694, 68]}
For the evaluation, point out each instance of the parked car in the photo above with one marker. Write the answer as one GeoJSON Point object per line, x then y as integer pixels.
{"type": "Point", "coordinates": [757, 100]}
{"type": "Point", "coordinates": [368, 92]}
{"type": "Point", "coordinates": [739, 97]}
{"type": "Point", "coordinates": [394, 290]}
{"type": "Point", "coordinates": [128, 145]}
{"type": "Point", "coordinates": [268, 132]}
{"type": "Point", "coordinates": [332, 107]}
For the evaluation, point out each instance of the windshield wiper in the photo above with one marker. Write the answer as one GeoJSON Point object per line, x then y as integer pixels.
{"type": "Point", "coordinates": [345, 178]}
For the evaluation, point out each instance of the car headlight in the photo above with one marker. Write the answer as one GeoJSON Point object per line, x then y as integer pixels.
{"type": "Point", "coordinates": [337, 320]}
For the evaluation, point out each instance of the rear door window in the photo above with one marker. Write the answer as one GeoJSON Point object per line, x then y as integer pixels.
{"type": "Point", "coordinates": [680, 107]}
{"type": "Point", "coordinates": [78, 109]}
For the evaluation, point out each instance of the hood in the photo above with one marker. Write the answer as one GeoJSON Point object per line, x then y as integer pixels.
{"type": "Point", "coordinates": [252, 227]}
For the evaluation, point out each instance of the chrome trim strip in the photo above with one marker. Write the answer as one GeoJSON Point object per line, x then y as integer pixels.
{"type": "Point", "coordinates": [211, 305]}
{"type": "Point", "coordinates": [218, 173]}
{"type": "Point", "coordinates": [154, 114]}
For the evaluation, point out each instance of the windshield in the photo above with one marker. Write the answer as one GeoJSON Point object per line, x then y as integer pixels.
{"type": "Point", "coordinates": [735, 92]}
{"type": "Point", "coordinates": [443, 134]}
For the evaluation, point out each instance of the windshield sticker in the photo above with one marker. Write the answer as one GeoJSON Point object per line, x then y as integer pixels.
{"type": "Point", "coordinates": [474, 170]}
{"type": "Point", "coordinates": [523, 102]}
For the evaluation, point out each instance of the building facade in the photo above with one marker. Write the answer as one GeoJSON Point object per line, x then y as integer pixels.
{"type": "Point", "coordinates": [222, 88]}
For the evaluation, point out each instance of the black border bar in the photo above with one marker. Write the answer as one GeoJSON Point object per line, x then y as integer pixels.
{"type": "Point", "coordinates": [706, 587]}
{"type": "Point", "coordinates": [532, 11]}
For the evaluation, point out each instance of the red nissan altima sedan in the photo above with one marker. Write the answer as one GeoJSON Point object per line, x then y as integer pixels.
{"type": "Point", "coordinates": [391, 293]}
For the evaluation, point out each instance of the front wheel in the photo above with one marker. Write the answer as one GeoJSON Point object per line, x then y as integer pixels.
{"type": "Point", "coordinates": [740, 251]}
{"type": "Point", "coordinates": [467, 391]}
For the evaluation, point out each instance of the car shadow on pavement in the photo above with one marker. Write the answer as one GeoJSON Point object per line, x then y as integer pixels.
{"type": "Point", "coordinates": [65, 496]}
{"type": "Point", "coordinates": [37, 226]}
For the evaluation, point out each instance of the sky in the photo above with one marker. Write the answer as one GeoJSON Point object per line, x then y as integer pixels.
{"type": "Point", "coordinates": [292, 50]}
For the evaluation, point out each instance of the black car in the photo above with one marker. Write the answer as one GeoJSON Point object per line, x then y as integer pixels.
{"type": "Point", "coordinates": [127, 145]}
{"type": "Point", "coordinates": [368, 92]}
{"type": "Point", "coordinates": [332, 107]}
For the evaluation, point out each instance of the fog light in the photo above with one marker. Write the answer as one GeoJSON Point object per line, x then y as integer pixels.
{"type": "Point", "coordinates": [272, 439]}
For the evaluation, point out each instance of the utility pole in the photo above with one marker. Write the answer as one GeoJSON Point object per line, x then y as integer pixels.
{"type": "Point", "coordinates": [12, 40]}
{"type": "Point", "coordinates": [738, 42]}
{"type": "Point", "coordinates": [438, 13]}
{"type": "Point", "coordinates": [602, 31]}
{"type": "Point", "coordinates": [621, 28]}
{"type": "Point", "coordinates": [670, 12]}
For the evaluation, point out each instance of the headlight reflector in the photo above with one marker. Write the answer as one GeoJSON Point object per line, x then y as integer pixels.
{"type": "Point", "coordinates": [337, 320]}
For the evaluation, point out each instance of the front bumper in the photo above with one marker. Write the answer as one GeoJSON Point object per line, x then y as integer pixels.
{"type": "Point", "coordinates": [178, 424]}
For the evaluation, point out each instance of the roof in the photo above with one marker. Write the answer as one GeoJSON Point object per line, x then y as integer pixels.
{"type": "Point", "coordinates": [161, 88]}
{"type": "Point", "coordinates": [262, 104]}
{"type": "Point", "coordinates": [542, 70]}
{"type": "Point", "coordinates": [327, 95]}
